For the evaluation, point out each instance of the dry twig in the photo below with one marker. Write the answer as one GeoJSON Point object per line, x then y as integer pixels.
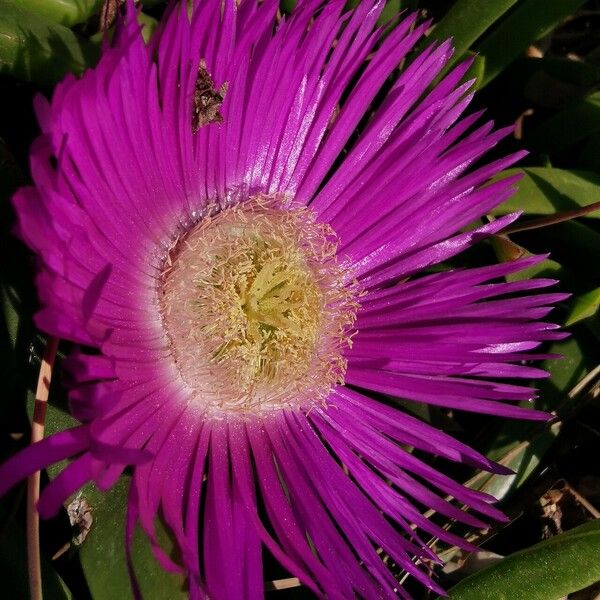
{"type": "Point", "coordinates": [34, 568]}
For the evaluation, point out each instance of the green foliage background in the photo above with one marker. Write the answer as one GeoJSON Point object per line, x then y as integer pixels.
{"type": "Point", "coordinates": [537, 65]}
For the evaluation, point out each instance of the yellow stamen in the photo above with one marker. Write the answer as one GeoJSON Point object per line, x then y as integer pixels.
{"type": "Point", "coordinates": [256, 310]}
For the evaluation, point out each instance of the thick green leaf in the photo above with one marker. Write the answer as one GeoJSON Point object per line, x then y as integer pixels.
{"type": "Point", "coordinates": [575, 251]}
{"type": "Point", "coordinates": [523, 457]}
{"type": "Point", "coordinates": [65, 12]}
{"type": "Point", "coordinates": [103, 553]}
{"type": "Point", "coordinates": [555, 82]}
{"type": "Point", "coordinates": [392, 8]}
{"type": "Point", "coordinates": [506, 250]}
{"type": "Point", "coordinates": [476, 70]}
{"type": "Point", "coordinates": [287, 6]}
{"type": "Point", "coordinates": [570, 71]}
{"type": "Point", "coordinates": [580, 354]}
{"type": "Point", "coordinates": [522, 445]}
{"type": "Point", "coordinates": [34, 49]}
{"type": "Point", "coordinates": [571, 125]}
{"type": "Point", "coordinates": [149, 25]}
{"type": "Point", "coordinates": [546, 191]}
{"type": "Point", "coordinates": [584, 306]}
{"type": "Point", "coordinates": [547, 571]}
{"type": "Point", "coordinates": [467, 20]}
{"type": "Point", "coordinates": [530, 20]}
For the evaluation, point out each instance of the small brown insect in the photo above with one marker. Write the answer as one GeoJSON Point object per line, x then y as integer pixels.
{"type": "Point", "coordinates": [207, 99]}
{"type": "Point", "coordinates": [80, 517]}
{"type": "Point", "coordinates": [108, 14]}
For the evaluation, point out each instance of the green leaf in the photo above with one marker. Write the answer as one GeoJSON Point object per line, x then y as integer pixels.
{"type": "Point", "coordinates": [580, 355]}
{"type": "Point", "coordinates": [391, 10]}
{"type": "Point", "coordinates": [522, 445]}
{"type": "Point", "coordinates": [103, 554]}
{"type": "Point", "coordinates": [564, 372]}
{"type": "Point", "coordinates": [287, 6]}
{"type": "Point", "coordinates": [477, 70]}
{"type": "Point", "coordinates": [467, 20]}
{"type": "Point", "coordinates": [546, 191]}
{"type": "Point", "coordinates": [570, 71]}
{"type": "Point", "coordinates": [506, 250]}
{"type": "Point", "coordinates": [149, 25]}
{"type": "Point", "coordinates": [523, 457]}
{"type": "Point", "coordinates": [65, 12]}
{"type": "Point", "coordinates": [571, 125]}
{"type": "Point", "coordinates": [37, 50]}
{"type": "Point", "coordinates": [547, 571]}
{"type": "Point", "coordinates": [529, 21]}
{"type": "Point", "coordinates": [584, 306]}
{"type": "Point", "coordinates": [555, 82]}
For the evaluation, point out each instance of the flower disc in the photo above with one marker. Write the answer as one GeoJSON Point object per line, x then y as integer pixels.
{"type": "Point", "coordinates": [255, 308]}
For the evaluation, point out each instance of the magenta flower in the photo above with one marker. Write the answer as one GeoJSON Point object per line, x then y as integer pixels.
{"type": "Point", "coordinates": [243, 276]}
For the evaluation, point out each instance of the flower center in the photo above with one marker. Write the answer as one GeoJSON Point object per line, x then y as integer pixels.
{"type": "Point", "coordinates": [255, 308]}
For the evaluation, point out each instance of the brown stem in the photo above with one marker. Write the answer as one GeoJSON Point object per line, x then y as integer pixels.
{"type": "Point", "coordinates": [282, 584]}
{"type": "Point", "coordinates": [553, 219]}
{"type": "Point", "coordinates": [33, 483]}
